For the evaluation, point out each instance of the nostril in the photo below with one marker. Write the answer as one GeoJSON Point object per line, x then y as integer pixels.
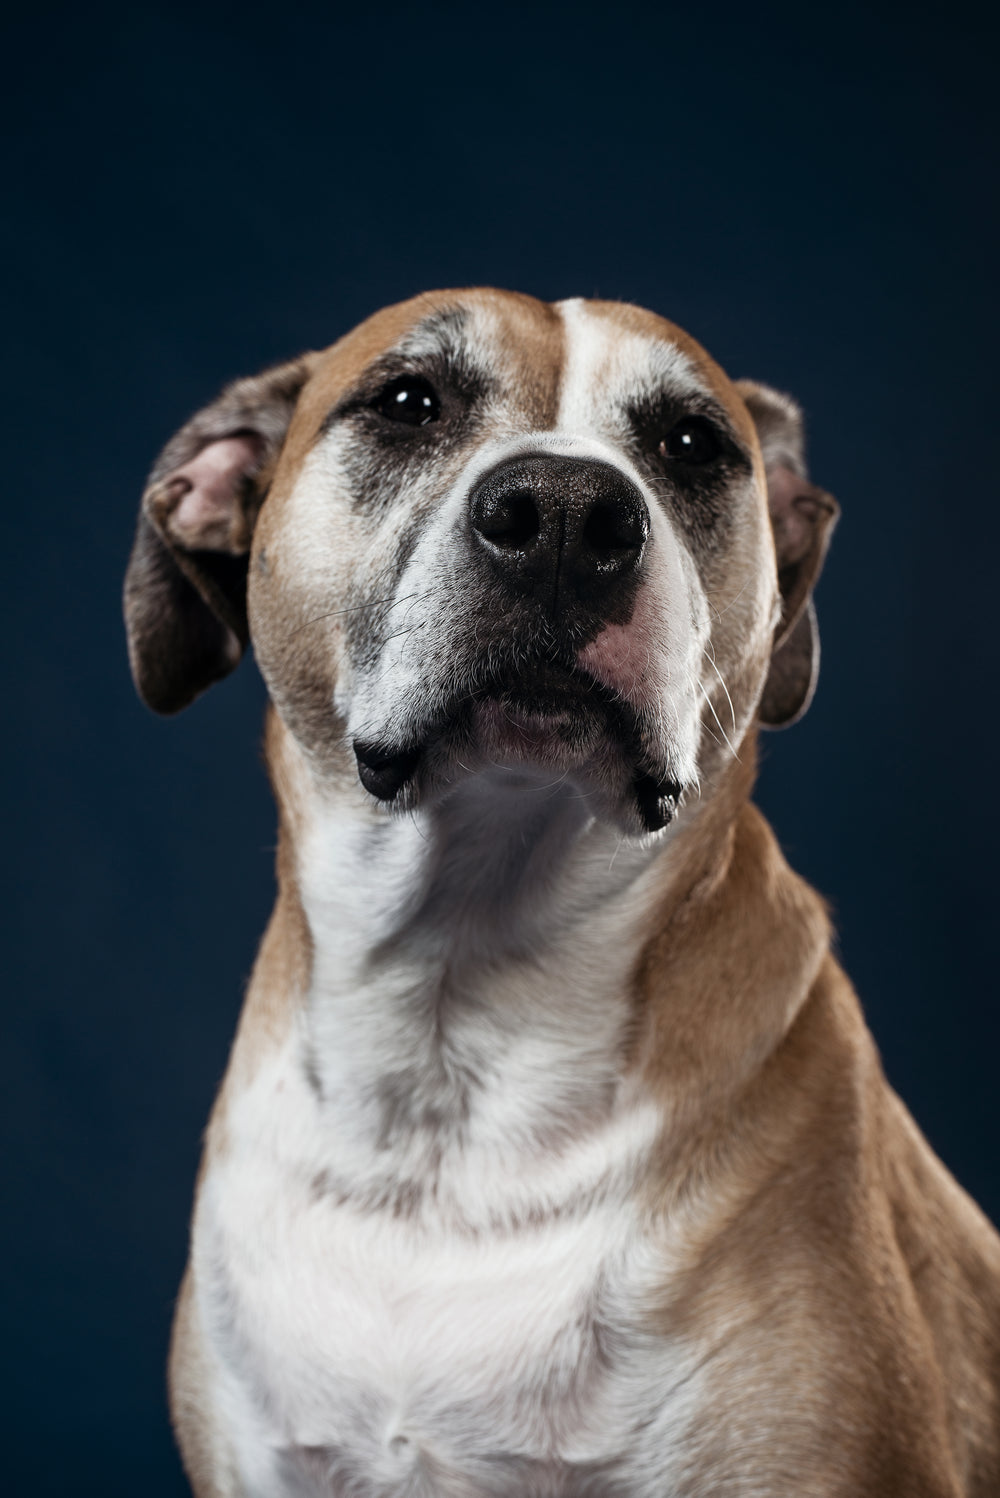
{"type": "Point", "coordinates": [509, 521]}
{"type": "Point", "coordinates": [559, 530]}
{"type": "Point", "coordinates": [613, 527]}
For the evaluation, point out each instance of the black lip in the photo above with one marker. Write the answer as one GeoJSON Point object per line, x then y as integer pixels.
{"type": "Point", "coordinates": [656, 799]}
{"type": "Point", "coordinates": [384, 771]}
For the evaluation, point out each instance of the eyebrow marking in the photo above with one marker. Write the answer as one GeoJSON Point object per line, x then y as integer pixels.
{"type": "Point", "coordinates": [439, 336]}
{"type": "Point", "coordinates": [435, 332]}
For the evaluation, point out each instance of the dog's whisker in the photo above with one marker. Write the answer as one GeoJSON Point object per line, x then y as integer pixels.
{"type": "Point", "coordinates": [714, 737]}
{"type": "Point", "coordinates": [416, 827]}
{"type": "Point", "coordinates": [721, 729]}
{"type": "Point", "coordinates": [711, 662]}
{"type": "Point", "coordinates": [551, 784]}
{"type": "Point", "coordinates": [354, 608]}
{"type": "Point", "coordinates": [399, 633]}
{"type": "Point", "coordinates": [734, 600]}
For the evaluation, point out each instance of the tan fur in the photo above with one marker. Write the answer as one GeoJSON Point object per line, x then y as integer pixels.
{"type": "Point", "coordinates": [839, 1264]}
{"type": "Point", "coordinates": [202, 1447]}
{"type": "Point", "coordinates": [845, 1289]}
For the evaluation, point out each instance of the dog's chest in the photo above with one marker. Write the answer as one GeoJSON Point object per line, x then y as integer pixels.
{"type": "Point", "coordinates": [395, 1350]}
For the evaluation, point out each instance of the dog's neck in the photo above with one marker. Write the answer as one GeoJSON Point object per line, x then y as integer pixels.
{"type": "Point", "coordinates": [476, 969]}
{"type": "Point", "coordinates": [500, 872]}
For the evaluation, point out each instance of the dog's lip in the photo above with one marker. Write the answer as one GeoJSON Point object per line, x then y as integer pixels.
{"type": "Point", "coordinates": [543, 686]}
{"type": "Point", "coordinates": [543, 705]}
{"type": "Point", "coordinates": [528, 726]}
{"type": "Point", "coordinates": [531, 704]}
{"type": "Point", "coordinates": [558, 709]}
{"type": "Point", "coordinates": [547, 712]}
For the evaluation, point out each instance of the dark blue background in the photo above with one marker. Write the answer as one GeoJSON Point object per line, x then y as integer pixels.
{"type": "Point", "coordinates": [194, 191]}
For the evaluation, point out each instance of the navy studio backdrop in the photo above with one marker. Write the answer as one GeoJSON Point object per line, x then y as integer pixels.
{"type": "Point", "coordinates": [195, 191]}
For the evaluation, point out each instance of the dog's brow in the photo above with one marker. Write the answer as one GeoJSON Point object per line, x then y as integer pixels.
{"type": "Point", "coordinates": [671, 400]}
{"type": "Point", "coordinates": [441, 332]}
{"type": "Point", "coordinates": [437, 339]}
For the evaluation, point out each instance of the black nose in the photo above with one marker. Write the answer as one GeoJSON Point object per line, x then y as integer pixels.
{"type": "Point", "coordinates": [561, 530]}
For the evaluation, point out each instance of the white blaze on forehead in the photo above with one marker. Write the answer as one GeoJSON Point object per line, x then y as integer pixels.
{"type": "Point", "coordinates": [607, 367]}
{"type": "Point", "coordinates": [652, 661]}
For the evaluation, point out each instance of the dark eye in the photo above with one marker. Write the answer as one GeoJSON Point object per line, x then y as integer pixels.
{"type": "Point", "coordinates": [693, 440]}
{"type": "Point", "coordinates": [409, 399]}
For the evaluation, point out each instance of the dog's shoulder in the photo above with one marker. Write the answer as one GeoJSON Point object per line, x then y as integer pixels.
{"type": "Point", "coordinates": [952, 1254]}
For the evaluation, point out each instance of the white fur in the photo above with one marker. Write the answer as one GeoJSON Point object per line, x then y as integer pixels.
{"type": "Point", "coordinates": [455, 1340]}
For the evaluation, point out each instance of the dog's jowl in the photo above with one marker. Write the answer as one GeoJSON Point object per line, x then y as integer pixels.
{"type": "Point", "coordinates": [553, 1156]}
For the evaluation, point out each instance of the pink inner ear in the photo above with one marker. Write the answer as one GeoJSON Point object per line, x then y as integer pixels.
{"type": "Point", "coordinates": [212, 483]}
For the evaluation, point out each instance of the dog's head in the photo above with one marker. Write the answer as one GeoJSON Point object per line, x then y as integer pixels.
{"type": "Point", "coordinates": [481, 533]}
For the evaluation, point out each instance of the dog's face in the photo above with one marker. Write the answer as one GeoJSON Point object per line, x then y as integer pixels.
{"type": "Point", "coordinates": [498, 536]}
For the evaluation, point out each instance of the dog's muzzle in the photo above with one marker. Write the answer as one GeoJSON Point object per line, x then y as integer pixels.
{"type": "Point", "coordinates": [562, 542]}
{"type": "Point", "coordinates": [564, 532]}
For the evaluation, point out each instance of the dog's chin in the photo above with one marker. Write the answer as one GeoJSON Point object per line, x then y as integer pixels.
{"type": "Point", "coordinates": [563, 726]}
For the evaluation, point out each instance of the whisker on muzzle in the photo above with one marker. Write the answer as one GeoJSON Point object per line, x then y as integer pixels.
{"type": "Point", "coordinates": [721, 729]}
{"type": "Point", "coordinates": [734, 600]}
{"type": "Point", "coordinates": [373, 603]}
{"type": "Point", "coordinates": [711, 662]}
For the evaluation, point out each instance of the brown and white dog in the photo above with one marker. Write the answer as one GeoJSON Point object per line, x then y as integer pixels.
{"type": "Point", "coordinates": [554, 1156]}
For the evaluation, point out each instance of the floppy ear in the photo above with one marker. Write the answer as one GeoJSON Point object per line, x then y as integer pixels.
{"type": "Point", "coordinates": [802, 520]}
{"type": "Point", "coordinates": [185, 588]}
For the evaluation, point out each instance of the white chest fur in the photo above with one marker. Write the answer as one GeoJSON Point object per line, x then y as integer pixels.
{"type": "Point", "coordinates": [383, 1353]}
{"type": "Point", "coordinates": [421, 1261]}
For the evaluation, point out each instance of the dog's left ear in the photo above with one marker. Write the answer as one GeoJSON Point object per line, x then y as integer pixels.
{"type": "Point", "coordinates": [802, 519]}
{"type": "Point", "coordinates": [185, 588]}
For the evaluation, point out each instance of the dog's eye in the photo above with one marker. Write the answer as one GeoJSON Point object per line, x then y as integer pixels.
{"type": "Point", "coordinates": [693, 440]}
{"type": "Point", "coordinates": [409, 399]}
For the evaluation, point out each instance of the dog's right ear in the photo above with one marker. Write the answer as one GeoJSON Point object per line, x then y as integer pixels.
{"type": "Point", "coordinates": [802, 521]}
{"type": "Point", "coordinates": [185, 588]}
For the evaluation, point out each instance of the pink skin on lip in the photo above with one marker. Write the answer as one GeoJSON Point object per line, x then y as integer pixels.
{"type": "Point", "coordinates": [619, 658]}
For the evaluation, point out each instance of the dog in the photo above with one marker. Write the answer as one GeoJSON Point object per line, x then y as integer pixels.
{"type": "Point", "coordinates": [553, 1157]}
